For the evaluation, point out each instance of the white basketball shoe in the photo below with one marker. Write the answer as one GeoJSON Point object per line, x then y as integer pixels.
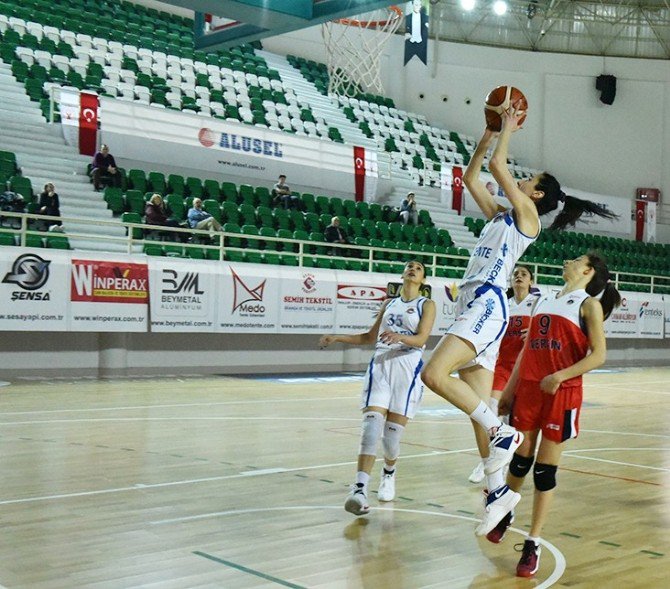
{"type": "Point", "coordinates": [499, 503]}
{"type": "Point", "coordinates": [502, 447]}
{"type": "Point", "coordinates": [357, 500]}
{"type": "Point", "coordinates": [477, 475]}
{"type": "Point", "coordinates": [386, 490]}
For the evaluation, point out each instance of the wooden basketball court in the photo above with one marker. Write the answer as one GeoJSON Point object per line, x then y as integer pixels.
{"type": "Point", "coordinates": [239, 482]}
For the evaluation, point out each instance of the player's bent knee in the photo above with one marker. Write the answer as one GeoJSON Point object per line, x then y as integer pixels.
{"type": "Point", "coordinates": [544, 476]}
{"type": "Point", "coordinates": [520, 465]}
{"type": "Point", "coordinates": [430, 376]}
{"type": "Point", "coordinates": [371, 431]}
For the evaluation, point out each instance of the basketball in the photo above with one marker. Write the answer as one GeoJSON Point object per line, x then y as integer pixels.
{"type": "Point", "coordinates": [498, 100]}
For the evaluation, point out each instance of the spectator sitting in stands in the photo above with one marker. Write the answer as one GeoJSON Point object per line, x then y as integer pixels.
{"type": "Point", "coordinates": [408, 210]}
{"type": "Point", "coordinates": [156, 215]}
{"type": "Point", "coordinates": [50, 205]}
{"type": "Point", "coordinates": [282, 193]}
{"type": "Point", "coordinates": [12, 203]}
{"type": "Point", "coordinates": [334, 234]}
{"type": "Point", "coordinates": [105, 170]}
{"type": "Point", "coordinates": [199, 219]}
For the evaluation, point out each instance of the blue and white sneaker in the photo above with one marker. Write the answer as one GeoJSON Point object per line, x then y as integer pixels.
{"type": "Point", "coordinates": [502, 448]}
{"type": "Point", "coordinates": [498, 504]}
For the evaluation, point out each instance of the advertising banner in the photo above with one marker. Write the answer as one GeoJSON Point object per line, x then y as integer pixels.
{"type": "Point", "coordinates": [445, 295]}
{"type": "Point", "coordinates": [183, 295]}
{"type": "Point", "coordinates": [108, 295]}
{"type": "Point", "coordinates": [33, 296]}
{"type": "Point", "coordinates": [307, 301]}
{"type": "Point", "coordinates": [357, 301]}
{"type": "Point", "coordinates": [249, 296]}
{"type": "Point", "coordinates": [232, 148]}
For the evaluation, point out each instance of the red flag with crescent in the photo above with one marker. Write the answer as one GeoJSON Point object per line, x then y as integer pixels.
{"type": "Point", "coordinates": [88, 123]}
{"type": "Point", "coordinates": [359, 172]}
{"type": "Point", "coordinates": [457, 189]}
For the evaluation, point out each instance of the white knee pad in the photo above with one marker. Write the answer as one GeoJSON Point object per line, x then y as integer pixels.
{"type": "Point", "coordinates": [371, 431]}
{"type": "Point", "coordinates": [391, 440]}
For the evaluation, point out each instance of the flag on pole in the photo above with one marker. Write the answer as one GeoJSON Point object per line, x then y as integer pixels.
{"type": "Point", "coordinates": [79, 120]}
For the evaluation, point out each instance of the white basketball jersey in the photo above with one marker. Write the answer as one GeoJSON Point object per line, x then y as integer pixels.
{"type": "Point", "coordinates": [497, 251]}
{"type": "Point", "coordinates": [525, 307]}
{"type": "Point", "coordinates": [401, 317]}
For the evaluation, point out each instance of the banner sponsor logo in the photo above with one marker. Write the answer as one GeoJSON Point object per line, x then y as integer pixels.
{"type": "Point", "coordinates": [30, 272]}
{"type": "Point", "coordinates": [360, 293]}
{"type": "Point", "coordinates": [180, 292]}
{"type": "Point", "coordinates": [109, 282]}
{"type": "Point", "coordinates": [245, 143]}
{"type": "Point", "coordinates": [308, 283]}
{"type": "Point", "coordinates": [247, 299]}
{"type": "Point", "coordinates": [206, 137]}
{"type": "Point", "coordinates": [451, 290]}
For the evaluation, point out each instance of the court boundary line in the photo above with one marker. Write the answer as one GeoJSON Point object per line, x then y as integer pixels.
{"type": "Point", "coordinates": [560, 562]}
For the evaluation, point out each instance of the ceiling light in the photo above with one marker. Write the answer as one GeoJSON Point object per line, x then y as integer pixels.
{"type": "Point", "coordinates": [500, 7]}
{"type": "Point", "coordinates": [467, 4]}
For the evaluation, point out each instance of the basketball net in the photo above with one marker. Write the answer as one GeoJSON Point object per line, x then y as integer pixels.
{"type": "Point", "coordinates": [354, 46]}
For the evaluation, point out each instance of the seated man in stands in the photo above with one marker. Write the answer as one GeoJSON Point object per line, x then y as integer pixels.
{"type": "Point", "coordinates": [408, 210]}
{"type": "Point", "coordinates": [282, 193]}
{"type": "Point", "coordinates": [156, 215]}
{"type": "Point", "coordinates": [104, 169]}
{"type": "Point", "coordinates": [50, 205]}
{"type": "Point", "coordinates": [199, 219]}
{"type": "Point", "coordinates": [335, 234]}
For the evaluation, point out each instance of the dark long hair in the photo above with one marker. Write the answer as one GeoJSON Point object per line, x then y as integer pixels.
{"type": "Point", "coordinates": [600, 282]}
{"type": "Point", "coordinates": [573, 207]}
{"type": "Point", "coordinates": [510, 291]}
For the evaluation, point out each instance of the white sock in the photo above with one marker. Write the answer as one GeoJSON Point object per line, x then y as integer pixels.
{"type": "Point", "coordinates": [493, 404]}
{"type": "Point", "coordinates": [390, 469]}
{"type": "Point", "coordinates": [485, 417]}
{"type": "Point", "coordinates": [495, 479]}
{"type": "Point", "coordinates": [534, 540]}
{"type": "Point", "coordinates": [363, 478]}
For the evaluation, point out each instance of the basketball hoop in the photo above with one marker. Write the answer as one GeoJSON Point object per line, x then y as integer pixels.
{"type": "Point", "coordinates": [354, 46]}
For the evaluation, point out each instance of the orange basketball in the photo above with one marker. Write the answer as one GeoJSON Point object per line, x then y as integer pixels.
{"type": "Point", "coordinates": [500, 99]}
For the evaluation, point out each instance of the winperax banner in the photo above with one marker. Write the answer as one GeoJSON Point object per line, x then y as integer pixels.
{"type": "Point", "coordinates": [53, 290]}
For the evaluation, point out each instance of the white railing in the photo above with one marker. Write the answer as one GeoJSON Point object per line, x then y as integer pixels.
{"type": "Point", "coordinates": [22, 225]}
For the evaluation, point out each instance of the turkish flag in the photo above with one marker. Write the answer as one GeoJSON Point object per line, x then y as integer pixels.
{"type": "Point", "coordinates": [359, 173]}
{"type": "Point", "coordinates": [457, 189]}
{"type": "Point", "coordinates": [88, 123]}
{"type": "Point", "coordinates": [640, 209]}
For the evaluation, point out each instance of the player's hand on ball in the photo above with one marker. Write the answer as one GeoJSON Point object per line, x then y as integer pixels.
{"type": "Point", "coordinates": [512, 116]}
{"type": "Point", "coordinates": [326, 340]}
{"type": "Point", "coordinates": [550, 384]}
{"type": "Point", "coordinates": [390, 337]}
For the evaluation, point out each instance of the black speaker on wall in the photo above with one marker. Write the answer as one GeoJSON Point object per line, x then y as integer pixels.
{"type": "Point", "coordinates": [607, 87]}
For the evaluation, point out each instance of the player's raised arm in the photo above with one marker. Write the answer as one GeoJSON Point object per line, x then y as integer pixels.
{"type": "Point", "coordinates": [472, 180]}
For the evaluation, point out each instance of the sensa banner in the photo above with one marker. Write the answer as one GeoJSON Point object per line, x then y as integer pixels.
{"type": "Point", "coordinates": [52, 290]}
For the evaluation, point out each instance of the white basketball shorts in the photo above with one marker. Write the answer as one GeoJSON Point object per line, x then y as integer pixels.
{"type": "Point", "coordinates": [481, 319]}
{"type": "Point", "coordinates": [393, 381]}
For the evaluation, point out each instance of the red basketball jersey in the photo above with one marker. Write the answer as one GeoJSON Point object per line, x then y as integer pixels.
{"type": "Point", "coordinates": [519, 319]}
{"type": "Point", "coordinates": [556, 338]}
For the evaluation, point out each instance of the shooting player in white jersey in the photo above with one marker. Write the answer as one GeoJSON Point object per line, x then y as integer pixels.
{"type": "Point", "coordinates": [392, 388]}
{"type": "Point", "coordinates": [471, 344]}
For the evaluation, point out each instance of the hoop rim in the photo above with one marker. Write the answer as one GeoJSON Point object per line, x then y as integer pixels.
{"type": "Point", "coordinates": [396, 14]}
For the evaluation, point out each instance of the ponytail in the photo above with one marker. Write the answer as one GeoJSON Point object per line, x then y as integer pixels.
{"type": "Point", "coordinates": [574, 208]}
{"type": "Point", "coordinates": [600, 283]}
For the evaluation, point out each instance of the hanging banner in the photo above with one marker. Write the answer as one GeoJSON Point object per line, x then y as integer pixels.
{"type": "Point", "coordinates": [32, 293]}
{"type": "Point", "coordinates": [183, 295]}
{"type": "Point", "coordinates": [638, 316]}
{"type": "Point", "coordinates": [650, 223]}
{"type": "Point", "coordinates": [108, 295]}
{"type": "Point", "coordinates": [79, 119]}
{"type": "Point", "coordinates": [249, 298]}
{"type": "Point", "coordinates": [416, 31]}
{"type": "Point", "coordinates": [457, 189]}
{"type": "Point", "coordinates": [359, 173]}
{"type": "Point", "coordinates": [640, 214]}
{"type": "Point", "coordinates": [307, 301]}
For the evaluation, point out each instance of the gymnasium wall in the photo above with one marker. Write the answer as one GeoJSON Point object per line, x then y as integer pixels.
{"type": "Point", "coordinates": [597, 148]}
{"type": "Point", "coordinates": [29, 355]}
